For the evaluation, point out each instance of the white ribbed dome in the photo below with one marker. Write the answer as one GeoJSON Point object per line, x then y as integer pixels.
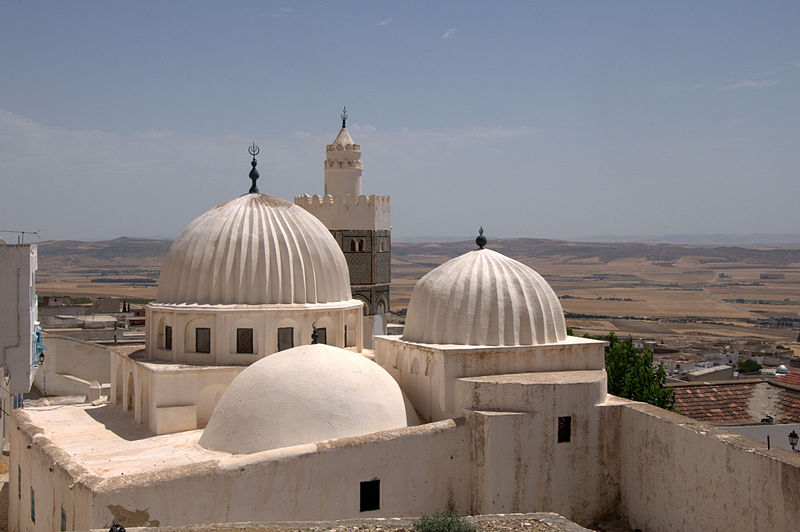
{"type": "Point", "coordinates": [484, 298]}
{"type": "Point", "coordinates": [254, 249]}
{"type": "Point", "coordinates": [304, 395]}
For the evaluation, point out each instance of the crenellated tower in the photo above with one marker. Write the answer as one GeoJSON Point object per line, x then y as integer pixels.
{"type": "Point", "coordinates": [360, 224]}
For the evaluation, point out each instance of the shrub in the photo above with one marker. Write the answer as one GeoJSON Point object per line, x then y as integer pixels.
{"type": "Point", "coordinates": [443, 522]}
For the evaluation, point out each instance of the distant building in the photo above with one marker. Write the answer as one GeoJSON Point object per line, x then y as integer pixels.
{"type": "Point", "coordinates": [19, 338]}
{"type": "Point", "coordinates": [56, 301]}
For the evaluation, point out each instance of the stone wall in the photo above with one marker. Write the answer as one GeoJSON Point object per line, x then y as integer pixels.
{"type": "Point", "coordinates": [680, 474]}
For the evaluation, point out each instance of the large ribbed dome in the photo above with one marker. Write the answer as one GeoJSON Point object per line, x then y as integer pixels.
{"type": "Point", "coordinates": [303, 395]}
{"type": "Point", "coordinates": [484, 298]}
{"type": "Point", "coordinates": [254, 249]}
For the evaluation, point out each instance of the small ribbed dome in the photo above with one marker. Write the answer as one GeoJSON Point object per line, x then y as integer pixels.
{"type": "Point", "coordinates": [484, 298]}
{"type": "Point", "coordinates": [254, 249]}
{"type": "Point", "coordinates": [302, 395]}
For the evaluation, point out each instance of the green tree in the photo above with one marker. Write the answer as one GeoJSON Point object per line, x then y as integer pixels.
{"type": "Point", "coordinates": [749, 366]}
{"type": "Point", "coordinates": [631, 374]}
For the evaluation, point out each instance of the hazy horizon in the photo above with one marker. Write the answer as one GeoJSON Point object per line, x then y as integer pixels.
{"type": "Point", "coordinates": [546, 120]}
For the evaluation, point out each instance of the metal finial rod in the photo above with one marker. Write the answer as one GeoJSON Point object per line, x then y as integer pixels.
{"type": "Point", "coordinates": [314, 333]}
{"type": "Point", "coordinates": [344, 117]}
{"type": "Point", "coordinates": [481, 240]}
{"type": "Point", "coordinates": [253, 150]}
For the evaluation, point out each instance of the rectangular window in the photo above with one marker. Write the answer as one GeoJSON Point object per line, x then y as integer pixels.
{"type": "Point", "coordinates": [564, 429]}
{"type": "Point", "coordinates": [202, 339]}
{"type": "Point", "coordinates": [63, 519]}
{"type": "Point", "coordinates": [285, 338]}
{"type": "Point", "coordinates": [19, 482]}
{"type": "Point", "coordinates": [244, 340]}
{"type": "Point", "coordinates": [168, 337]}
{"type": "Point", "coordinates": [33, 506]}
{"type": "Point", "coordinates": [322, 335]}
{"type": "Point", "coordinates": [370, 495]}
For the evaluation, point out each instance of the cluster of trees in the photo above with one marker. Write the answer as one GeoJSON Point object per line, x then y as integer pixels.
{"type": "Point", "coordinates": [631, 373]}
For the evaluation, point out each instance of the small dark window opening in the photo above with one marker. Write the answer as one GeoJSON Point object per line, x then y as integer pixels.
{"type": "Point", "coordinates": [168, 337]}
{"type": "Point", "coordinates": [564, 429]}
{"type": "Point", "coordinates": [63, 519]}
{"type": "Point", "coordinates": [19, 482]}
{"type": "Point", "coordinates": [353, 245]}
{"type": "Point", "coordinates": [322, 335]}
{"type": "Point", "coordinates": [285, 338]}
{"type": "Point", "coordinates": [370, 495]}
{"type": "Point", "coordinates": [244, 340]}
{"type": "Point", "coordinates": [202, 339]}
{"type": "Point", "coordinates": [361, 245]}
{"type": "Point", "coordinates": [33, 507]}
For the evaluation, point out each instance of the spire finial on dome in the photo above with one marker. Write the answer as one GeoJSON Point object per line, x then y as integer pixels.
{"type": "Point", "coordinates": [344, 117]}
{"type": "Point", "coordinates": [481, 240]}
{"type": "Point", "coordinates": [253, 150]}
{"type": "Point", "coordinates": [314, 333]}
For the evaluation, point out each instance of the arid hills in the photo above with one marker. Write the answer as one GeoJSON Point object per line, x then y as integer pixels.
{"type": "Point", "coordinates": [639, 288]}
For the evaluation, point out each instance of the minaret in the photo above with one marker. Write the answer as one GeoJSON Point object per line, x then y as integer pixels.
{"type": "Point", "coordinates": [360, 224]}
{"type": "Point", "coordinates": [343, 164]}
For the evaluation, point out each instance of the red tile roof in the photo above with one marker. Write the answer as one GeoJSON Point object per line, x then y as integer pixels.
{"type": "Point", "coordinates": [792, 379]}
{"type": "Point", "coordinates": [715, 403]}
{"type": "Point", "coordinates": [789, 407]}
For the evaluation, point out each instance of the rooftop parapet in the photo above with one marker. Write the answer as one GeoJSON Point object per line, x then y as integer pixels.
{"type": "Point", "coordinates": [348, 211]}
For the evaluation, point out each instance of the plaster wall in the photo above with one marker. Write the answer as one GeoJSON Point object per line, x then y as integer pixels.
{"type": "Point", "coordinates": [307, 482]}
{"type": "Point", "coordinates": [153, 391]}
{"type": "Point", "coordinates": [265, 320]}
{"type": "Point", "coordinates": [518, 463]}
{"type": "Point", "coordinates": [40, 470]}
{"type": "Point", "coordinates": [353, 212]}
{"type": "Point", "coordinates": [18, 313]}
{"type": "Point", "coordinates": [682, 474]}
{"type": "Point", "coordinates": [70, 357]}
{"type": "Point", "coordinates": [427, 373]}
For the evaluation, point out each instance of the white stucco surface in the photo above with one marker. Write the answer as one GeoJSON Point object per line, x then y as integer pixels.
{"type": "Point", "coordinates": [254, 249]}
{"type": "Point", "coordinates": [343, 166]}
{"type": "Point", "coordinates": [484, 298]}
{"type": "Point", "coordinates": [302, 395]}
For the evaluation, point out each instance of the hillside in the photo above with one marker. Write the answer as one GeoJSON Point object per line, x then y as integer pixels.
{"type": "Point", "coordinates": [139, 252]}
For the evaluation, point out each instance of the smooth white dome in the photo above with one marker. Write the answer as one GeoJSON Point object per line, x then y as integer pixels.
{"type": "Point", "coordinates": [254, 249]}
{"type": "Point", "coordinates": [303, 395]}
{"type": "Point", "coordinates": [484, 298]}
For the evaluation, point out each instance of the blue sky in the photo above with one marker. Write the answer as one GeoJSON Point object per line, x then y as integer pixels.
{"type": "Point", "coordinates": [541, 119]}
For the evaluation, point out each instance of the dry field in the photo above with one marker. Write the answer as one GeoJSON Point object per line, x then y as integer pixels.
{"type": "Point", "coordinates": [647, 290]}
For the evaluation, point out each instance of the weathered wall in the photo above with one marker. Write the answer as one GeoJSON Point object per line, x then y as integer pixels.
{"type": "Point", "coordinates": [680, 474]}
{"type": "Point", "coordinates": [151, 391]}
{"type": "Point", "coordinates": [427, 373]}
{"type": "Point", "coordinates": [40, 470]}
{"type": "Point", "coordinates": [68, 356]}
{"type": "Point", "coordinates": [306, 482]}
{"type": "Point", "coordinates": [519, 464]}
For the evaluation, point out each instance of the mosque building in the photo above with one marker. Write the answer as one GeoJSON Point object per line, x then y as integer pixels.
{"type": "Point", "coordinates": [361, 226]}
{"type": "Point", "coordinates": [252, 402]}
